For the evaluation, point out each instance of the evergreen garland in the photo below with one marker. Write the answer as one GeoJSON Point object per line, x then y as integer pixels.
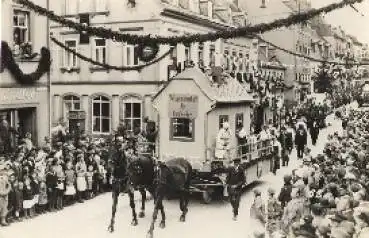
{"type": "Point", "coordinates": [107, 66]}
{"type": "Point", "coordinates": [246, 31]}
{"type": "Point", "coordinates": [8, 61]}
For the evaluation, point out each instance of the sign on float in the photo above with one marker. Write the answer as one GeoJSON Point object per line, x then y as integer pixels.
{"type": "Point", "coordinates": [183, 106]}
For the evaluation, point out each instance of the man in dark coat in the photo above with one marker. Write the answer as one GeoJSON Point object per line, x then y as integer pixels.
{"type": "Point", "coordinates": [300, 140]}
{"type": "Point", "coordinates": [235, 180]}
{"type": "Point", "coordinates": [285, 193]}
{"type": "Point", "coordinates": [314, 132]}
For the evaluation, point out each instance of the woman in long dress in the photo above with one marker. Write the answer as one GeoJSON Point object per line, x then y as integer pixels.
{"type": "Point", "coordinates": [81, 170]}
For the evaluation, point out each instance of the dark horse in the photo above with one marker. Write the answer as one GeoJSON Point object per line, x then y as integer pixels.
{"type": "Point", "coordinates": [118, 162]}
{"type": "Point", "coordinates": [172, 176]}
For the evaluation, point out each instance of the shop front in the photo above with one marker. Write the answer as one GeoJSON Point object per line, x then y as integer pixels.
{"type": "Point", "coordinates": [24, 110]}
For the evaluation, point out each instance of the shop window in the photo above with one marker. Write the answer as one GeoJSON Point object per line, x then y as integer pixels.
{"type": "Point", "coordinates": [222, 120]}
{"type": "Point", "coordinates": [72, 103]}
{"type": "Point", "coordinates": [101, 115]}
{"type": "Point", "coordinates": [100, 50]}
{"type": "Point", "coordinates": [21, 29]}
{"type": "Point", "coordinates": [130, 55]}
{"type": "Point", "coordinates": [132, 115]}
{"type": "Point", "coordinates": [182, 129]}
{"type": "Point", "coordinates": [70, 60]}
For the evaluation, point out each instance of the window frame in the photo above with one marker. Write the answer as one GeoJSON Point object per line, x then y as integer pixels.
{"type": "Point", "coordinates": [100, 48]}
{"type": "Point", "coordinates": [132, 57]}
{"type": "Point", "coordinates": [236, 119]}
{"type": "Point", "coordinates": [178, 138]}
{"type": "Point", "coordinates": [27, 25]}
{"type": "Point", "coordinates": [74, 99]}
{"type": "Point", "coordinates": [93, 101]}
{"type": "Point", "coordinates": [66, 53]}
{"type": "Point", "coordinates": [132, 118]}
{"type": "Point", "coordinates": [220, 118]}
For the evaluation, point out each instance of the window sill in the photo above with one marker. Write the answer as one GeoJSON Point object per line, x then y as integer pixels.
{"type": "Point", "coordinates": [35, 57]}
{"type": "Point", "coordinates": [70, 70]}
{"type": "Point", "coordinates": [182, 139]}
{"type": "Point", "coordinates": [93, 14]}
{"type": "Point", "coordinates": [98, 69]}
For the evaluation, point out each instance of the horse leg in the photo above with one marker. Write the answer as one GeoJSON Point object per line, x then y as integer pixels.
{"type": "Point", "coordinates": [150, 233]}
{"type": "Point", "coordinates": [114, 209]}
{"type": "Point", "coordinates": [143, 201]}
{"type": "Point", "coordinates": [162, 222]}
{"type": "Point", "coordinates": [133, 206]}
{"type": "Point", "coordinates": [183, 204]}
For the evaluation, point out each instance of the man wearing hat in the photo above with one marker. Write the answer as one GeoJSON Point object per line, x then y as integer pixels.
{"type": "Point", "coordinates": [235, 180]}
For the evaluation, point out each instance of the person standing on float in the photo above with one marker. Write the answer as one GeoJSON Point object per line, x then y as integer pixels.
{"type": "Point", "coordinates": [223, 142]}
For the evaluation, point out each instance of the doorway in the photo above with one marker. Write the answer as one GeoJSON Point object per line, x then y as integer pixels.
{"type": "Point", "coordinates": [27, 122]}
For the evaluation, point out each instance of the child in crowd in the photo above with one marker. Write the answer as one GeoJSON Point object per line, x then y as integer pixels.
{"type": "Point", "coordinates": [28, 201]}
{"type": "Point", "coordinates": [60, 189]}
{"type": "Point", "coordinates": [70, 180]}
{"type": "Point", "coordinates": [42, 199]}
{"type": "Point", "coordinates": [35, 192]}
{"type": "Point", "coordinates": [89, 178]}
{"type": "Point", "coordinates": [81, 177]}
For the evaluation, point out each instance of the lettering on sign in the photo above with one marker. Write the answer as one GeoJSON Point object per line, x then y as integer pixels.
{"type": "Point", "coordinates": [183, 106]}
{"type": "Point", "coordinates": [17, 94]}
{"type": "Point", "coordinates": [76, 115]}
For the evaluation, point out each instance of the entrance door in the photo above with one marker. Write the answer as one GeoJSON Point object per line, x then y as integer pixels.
{"type": "Point", "coordinates": [27, 122]}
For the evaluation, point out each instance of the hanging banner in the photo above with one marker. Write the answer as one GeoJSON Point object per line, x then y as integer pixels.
{"type": "Point", "coordinates": [183, 106]}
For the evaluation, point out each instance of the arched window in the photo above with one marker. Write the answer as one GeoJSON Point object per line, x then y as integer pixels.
{"type": "Point", "coordinates": [101, 115]}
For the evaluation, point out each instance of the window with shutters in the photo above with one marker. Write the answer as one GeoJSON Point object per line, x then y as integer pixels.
{"type": "Point", "coordinates": [101, 116]}
{"type": "Point", "coordinates": [130, 55]}
{"type": "Point", "coordinates": [70, 60]}
{"type": "Point", "coordinates": [100, 50]}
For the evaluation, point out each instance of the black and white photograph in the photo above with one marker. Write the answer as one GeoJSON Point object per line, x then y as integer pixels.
{"type": "Point", "coordinates": [184, 118]}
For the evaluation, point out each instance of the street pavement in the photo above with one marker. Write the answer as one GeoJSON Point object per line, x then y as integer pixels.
{"type": "Point", "coordinates": [214, 220]}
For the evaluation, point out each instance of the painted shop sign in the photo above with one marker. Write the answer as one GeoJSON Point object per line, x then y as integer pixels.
{"type": "Point", "coordinates": [77, 115]}
{"type": "Point", "coordinates": [17, 94]}
{"type": "Point", "coordinates": [183, 106]}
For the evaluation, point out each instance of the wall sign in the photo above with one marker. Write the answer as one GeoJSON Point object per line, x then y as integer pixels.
{"type": "Point", "coordinates": [183, 106]}
{"type": "Point", "coordinates": [10, 95]}
{"type": "Point", "coordinates": [76, 115]}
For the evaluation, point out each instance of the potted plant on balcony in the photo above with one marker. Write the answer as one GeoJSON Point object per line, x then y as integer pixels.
{"type": "Point", "coordinates": [26, 51]}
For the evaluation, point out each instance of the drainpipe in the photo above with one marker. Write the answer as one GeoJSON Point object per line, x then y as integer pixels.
{"type": "Point", "coordinates": [48, 73]}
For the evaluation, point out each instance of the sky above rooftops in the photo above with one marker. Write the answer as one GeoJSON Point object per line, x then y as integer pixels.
{"type": "Point", "coordinates": [351, 21]}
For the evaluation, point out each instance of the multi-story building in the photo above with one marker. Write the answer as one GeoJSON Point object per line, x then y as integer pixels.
{"type": "Point", "coordinates": [296, 38]}
{"type": "Point", "coordinates": [99, 99]}
{"type": "Point", "coordinates": [25, 107]}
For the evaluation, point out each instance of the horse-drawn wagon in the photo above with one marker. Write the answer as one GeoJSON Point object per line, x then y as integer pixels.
{"type": "Point", "coordinates": [191, 110]}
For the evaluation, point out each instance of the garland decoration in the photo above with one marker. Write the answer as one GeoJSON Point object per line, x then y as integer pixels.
{"type": "Point", "coordinates": [173, 40]}
{"type": "Point", "coordinates": [148, 52]}
{"type": "Point", "coordinates": [8, 61]}
{"type": "Point", "coordinates": [307, 57]}
{"type": "Point", "coordinates": [107, 66]}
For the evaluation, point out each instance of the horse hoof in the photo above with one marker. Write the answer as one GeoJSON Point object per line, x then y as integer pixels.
{"type": "Point", "coordinates": [162, 224]}
{"type": "Point", "coordinates": [134, 223]}
{"type": "Point", "coordinates": [111, 229]}
{"type": "Point", "coordinates": [141, 215]}
{"type": "Point", "coordinates": [182, 218]}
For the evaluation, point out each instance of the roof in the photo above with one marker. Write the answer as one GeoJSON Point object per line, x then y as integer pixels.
{"type": "Point", "coordinates": [230, 92]}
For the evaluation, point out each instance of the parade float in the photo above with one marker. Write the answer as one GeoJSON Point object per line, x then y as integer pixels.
{"type": "Point", "coordinates": [191, 110]}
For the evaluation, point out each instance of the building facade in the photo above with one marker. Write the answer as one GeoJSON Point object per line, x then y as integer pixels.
{"type": "Point", "coordinates": [24, 107]}
{"type": "Point", "coordinates": [99, 99]}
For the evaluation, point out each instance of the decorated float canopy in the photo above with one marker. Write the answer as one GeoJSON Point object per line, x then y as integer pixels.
{"type": "Point", "coordinates": [191, 110]}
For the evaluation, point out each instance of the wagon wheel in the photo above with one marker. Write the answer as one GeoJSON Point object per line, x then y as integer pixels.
{"type": "Point", "coordinates": [206, 197]}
